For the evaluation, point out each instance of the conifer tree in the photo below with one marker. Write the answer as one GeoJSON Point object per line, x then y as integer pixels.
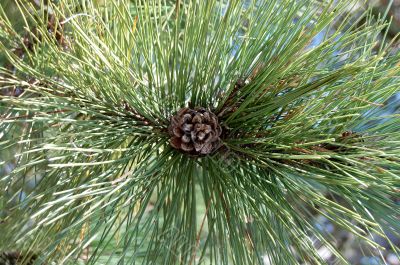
{"type": "Point", "coordinates": [195, 131]}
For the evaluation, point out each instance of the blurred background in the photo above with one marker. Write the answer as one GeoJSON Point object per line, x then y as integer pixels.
{"type": "Point", "coordinates": [355, 251]}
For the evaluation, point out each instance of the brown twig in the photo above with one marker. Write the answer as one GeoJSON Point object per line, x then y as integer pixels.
{"type": "Point", "coordinates": [199, 233]}
{"type": "Point", "coordinates": [177, 7]}
{"type": "Point", "coordinates": [229, 106]}
{"type": "Point", "coordinates": [135, 114]}
{"type": "Point", "coordinates": [30, 39]}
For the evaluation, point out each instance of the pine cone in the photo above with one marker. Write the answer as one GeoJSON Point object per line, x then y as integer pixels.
{"type": "Point", "coordinates": [16, 258]}
{"type": "Point", "coordinates": [195, 131]}
{"type": "Point", "coordinates": [9, 258]}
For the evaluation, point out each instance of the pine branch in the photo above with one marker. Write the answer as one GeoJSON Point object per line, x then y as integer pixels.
{"type": "Point", "coordinates": [195, 132]}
